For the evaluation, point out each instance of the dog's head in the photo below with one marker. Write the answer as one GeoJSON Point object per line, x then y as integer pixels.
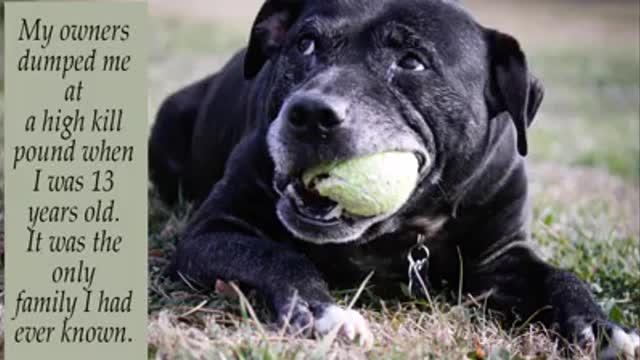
{"type": "Point", "coordinates": [354, 77]}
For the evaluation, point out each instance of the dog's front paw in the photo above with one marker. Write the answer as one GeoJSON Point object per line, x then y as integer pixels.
{"type": "Point", "coordinates": [610, 341]}
{"type": "Point", "coordinates": [296, 317]}
{"type": "Point", "coordinates": [350, 323]}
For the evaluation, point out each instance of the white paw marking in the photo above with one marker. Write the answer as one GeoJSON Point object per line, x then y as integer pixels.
{"type": "Point", "coordinates": [588, 339]}
{"type": "Point", "coordinates": [622, 345]}
{"type": "Point", "coordinates": [587, 334]}
{"type": "Point", "coordinates": [351, 324]}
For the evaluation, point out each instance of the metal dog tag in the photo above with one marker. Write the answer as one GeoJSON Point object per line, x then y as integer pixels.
{"type": "Point", "coordinates": [418, 258]}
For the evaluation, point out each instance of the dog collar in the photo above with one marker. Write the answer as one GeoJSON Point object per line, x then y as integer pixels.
{"type": "Point", "coordinates": [418, 258]}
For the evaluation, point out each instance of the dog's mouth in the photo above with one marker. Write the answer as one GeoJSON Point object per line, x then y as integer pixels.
{"type": "Point", "coordinates": [316, 218]}
{"type": "Point", "coordinates": [312, 207]}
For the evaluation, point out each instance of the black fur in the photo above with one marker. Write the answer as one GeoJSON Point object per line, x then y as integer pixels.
{"type": "Point", "coordinates": [228, 141]}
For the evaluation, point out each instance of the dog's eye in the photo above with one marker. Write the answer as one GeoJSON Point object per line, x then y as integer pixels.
{"type": "Point", "coordinates": [306, 46]}
{"type": "Point", "coordinates": [412, 63]}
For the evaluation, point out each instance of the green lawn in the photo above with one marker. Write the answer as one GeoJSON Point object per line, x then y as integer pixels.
{"type": "Point", "coordinates": [590, 114]}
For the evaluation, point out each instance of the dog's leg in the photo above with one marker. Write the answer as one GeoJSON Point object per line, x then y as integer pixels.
{"type": "Point", "coordinates": [521, 284]}
{"type": "Point", "coordinates": [292, 285]}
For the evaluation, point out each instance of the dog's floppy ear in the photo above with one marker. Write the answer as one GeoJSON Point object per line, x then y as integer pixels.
{"type": "Point", "coordinates": [269, 31]}
{"type": "Point", "coordinates": [511, 87]}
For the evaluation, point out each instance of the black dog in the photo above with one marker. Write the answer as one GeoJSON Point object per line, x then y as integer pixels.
{"type": "Point", "coordinates": [330, 80]}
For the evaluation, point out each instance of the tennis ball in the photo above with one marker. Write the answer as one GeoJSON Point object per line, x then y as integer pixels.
{"type": "Point", "coordinates": [366, 186]}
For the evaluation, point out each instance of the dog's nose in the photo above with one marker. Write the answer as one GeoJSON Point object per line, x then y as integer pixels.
{"type": "Point", "coordinates": [313, 115]}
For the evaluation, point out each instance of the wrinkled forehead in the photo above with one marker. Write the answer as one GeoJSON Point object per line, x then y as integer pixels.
{"type": "Point", "coordinates": [445, 24]}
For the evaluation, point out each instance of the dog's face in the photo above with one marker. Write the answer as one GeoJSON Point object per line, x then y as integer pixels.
{"type": "Point", "coordinates": [357, 77]}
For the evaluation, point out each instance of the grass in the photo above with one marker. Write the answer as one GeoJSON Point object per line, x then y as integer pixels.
{"type": "Point", "coordinates": [592, 232]}
{"type": "Point", "coordinates": [589, 232]}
